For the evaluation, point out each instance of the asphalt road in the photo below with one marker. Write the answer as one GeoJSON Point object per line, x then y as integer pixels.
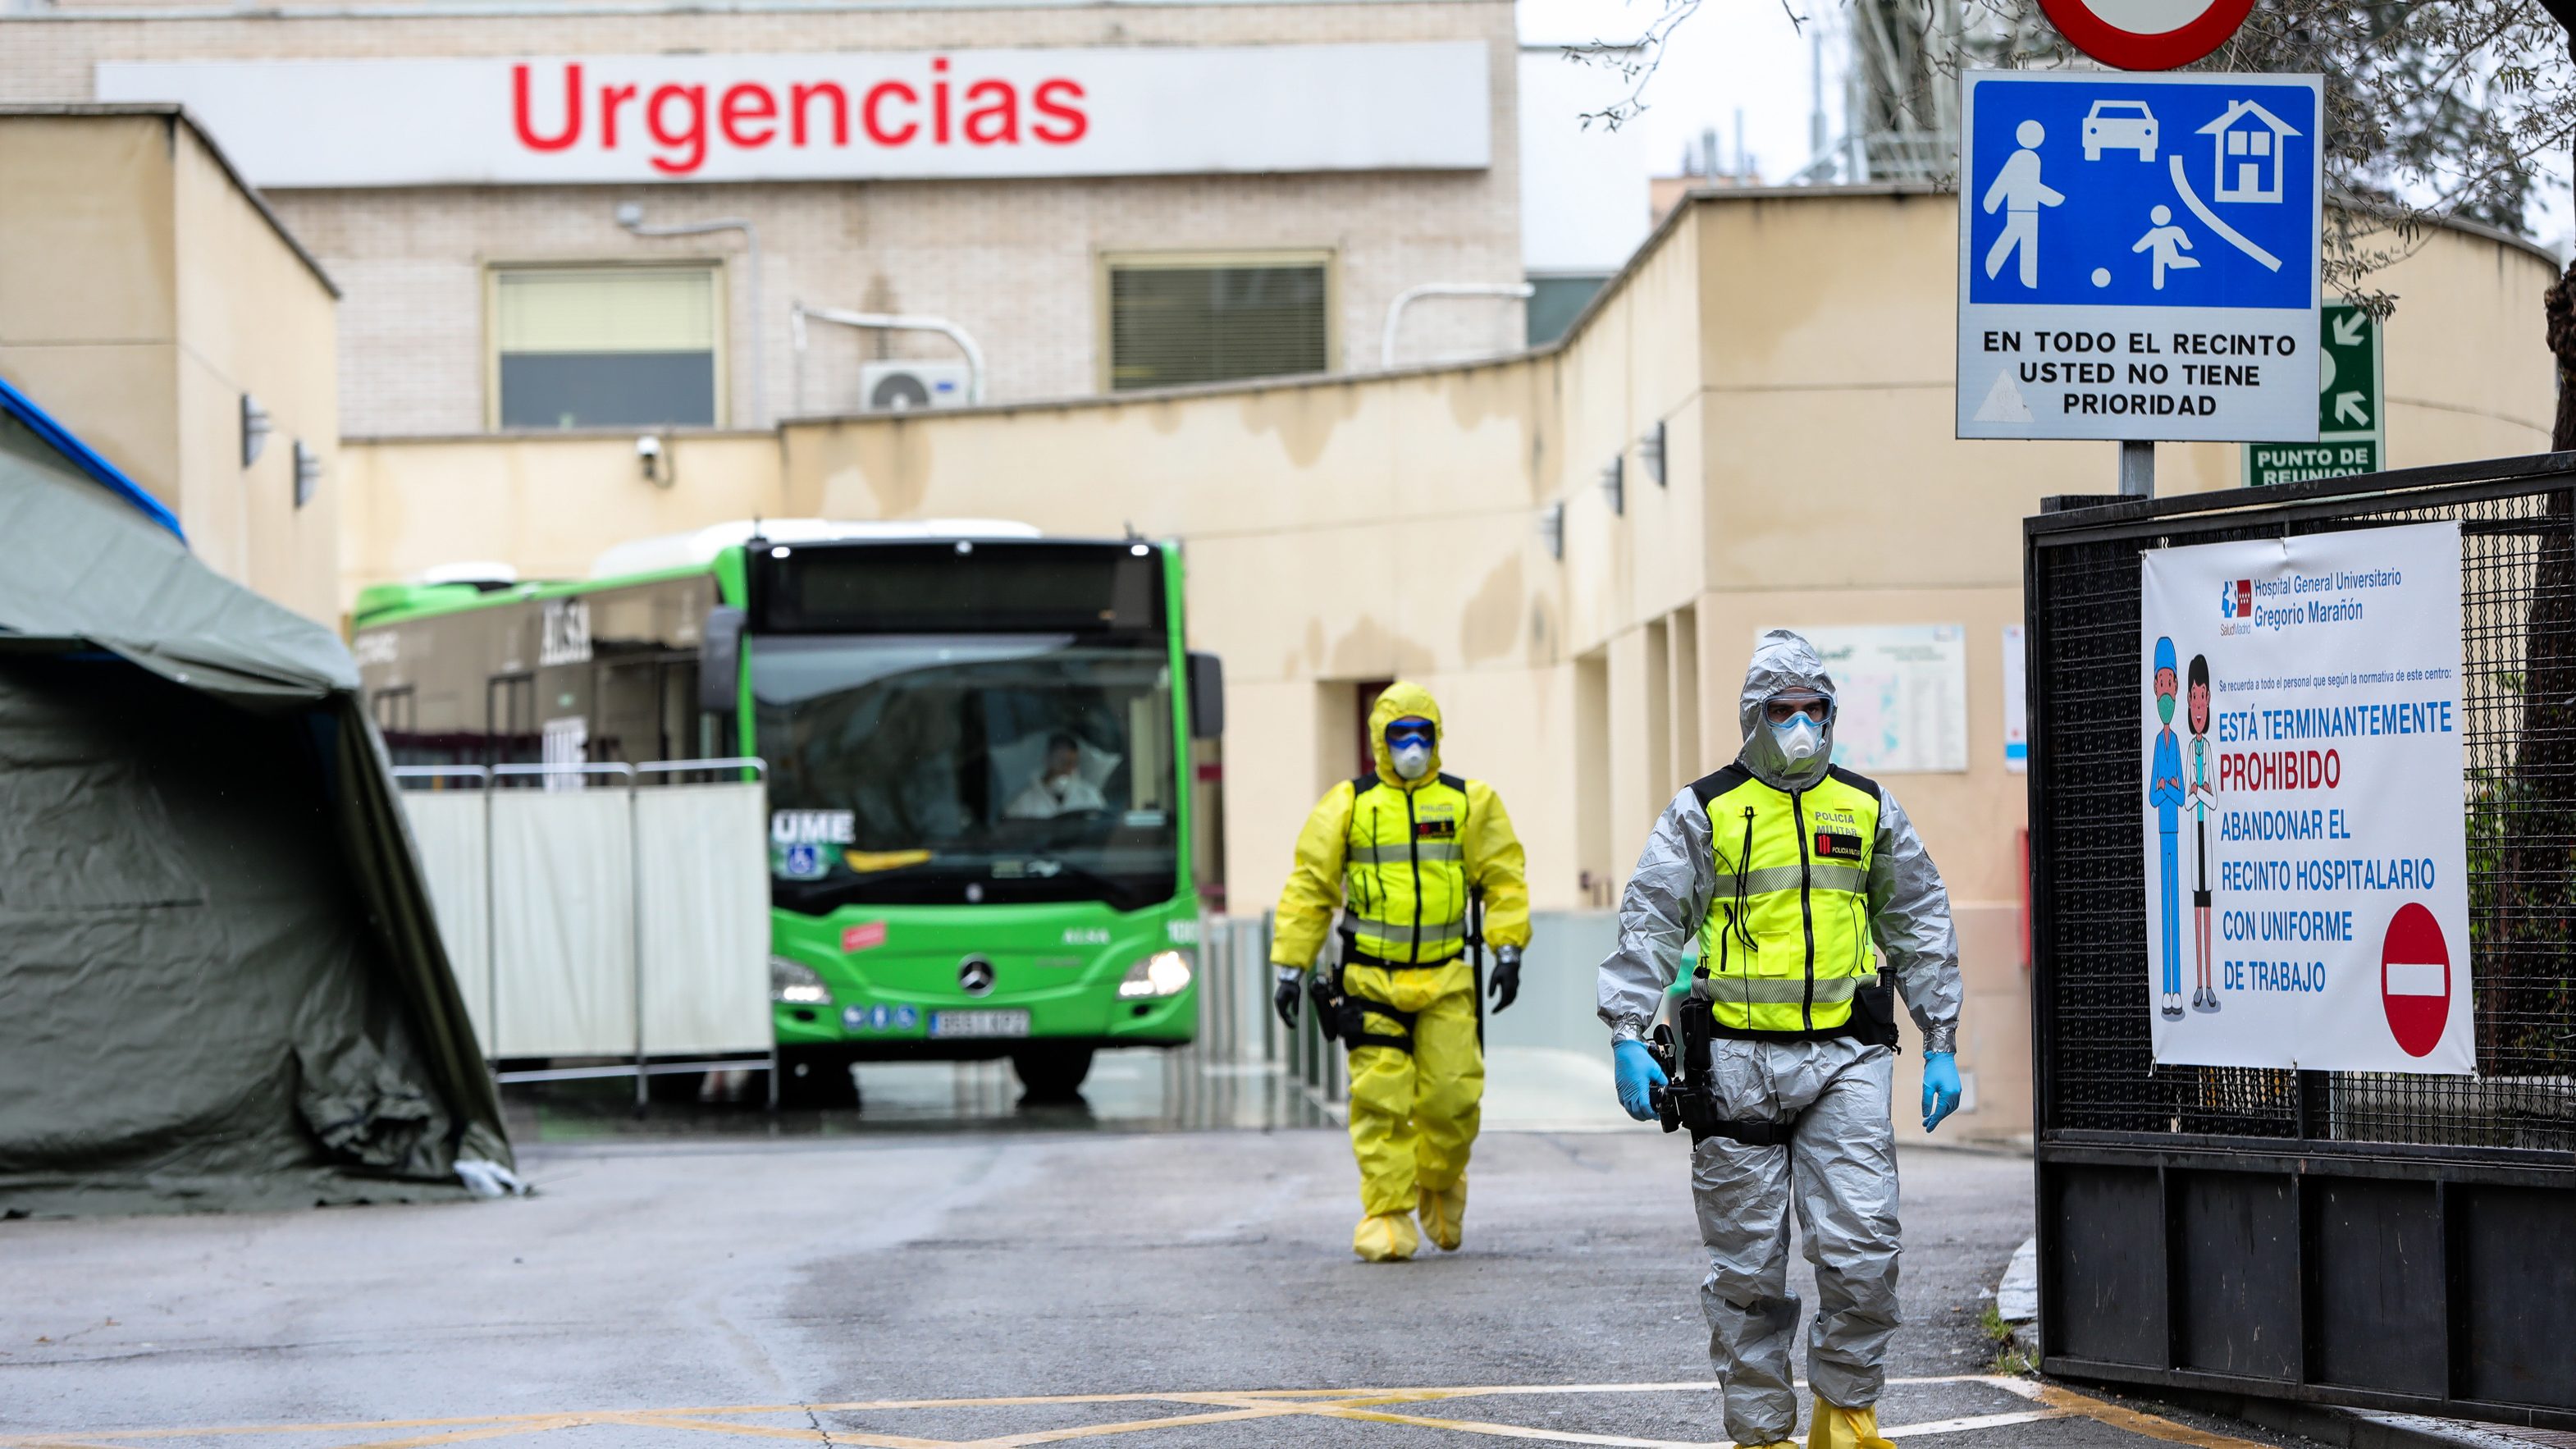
{"type": "Point", "coordinates": [660, 1288]}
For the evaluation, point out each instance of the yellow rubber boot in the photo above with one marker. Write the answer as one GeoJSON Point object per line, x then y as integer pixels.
{"type": "Point", "coordinates": [1444, 1215]}
{"type": "Point", "coordinates": [1835, 1427]}
{"type": "Point", "coordinates": [1385, 1238]}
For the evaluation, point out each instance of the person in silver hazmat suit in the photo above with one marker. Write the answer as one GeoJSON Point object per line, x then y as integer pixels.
{"type": "Point", "coordinates": [1789, 871]}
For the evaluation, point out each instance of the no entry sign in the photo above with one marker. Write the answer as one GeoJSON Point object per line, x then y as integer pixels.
{"type": "Point", "coordinates": [2147, 34]}
{"type": "Point", "coordinates": [2415, 979]}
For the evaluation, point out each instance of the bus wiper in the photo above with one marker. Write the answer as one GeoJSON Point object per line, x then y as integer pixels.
{"type": "Point", "coordinates": [1108, 888]}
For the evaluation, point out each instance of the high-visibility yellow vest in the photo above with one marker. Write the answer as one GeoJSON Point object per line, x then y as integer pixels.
{"type": "Point", "coordinates": [1787, 942]}
{"type": "Point", "coordinates": [1404, 872]}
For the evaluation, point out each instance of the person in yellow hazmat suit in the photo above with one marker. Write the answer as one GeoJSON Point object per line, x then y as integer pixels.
{"type": "Point", "coordinates": [1401, 852]}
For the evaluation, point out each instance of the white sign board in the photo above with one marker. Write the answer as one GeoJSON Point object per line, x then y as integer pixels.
{"type": "Point", "coordinates": [2304, 821]}
{"type": "Point", "coordinates": [1900, 695]}
{"type": "Point", "coordinates": [2138, 256]}
{"type": "Point", "coordinates": [824, 115]}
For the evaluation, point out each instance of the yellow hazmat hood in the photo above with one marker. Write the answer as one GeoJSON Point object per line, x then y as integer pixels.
{"type": "Point", "coordinates": [1403, 700]}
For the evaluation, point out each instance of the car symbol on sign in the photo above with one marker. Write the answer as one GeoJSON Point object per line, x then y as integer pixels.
{"type": "Point", "coordinates": [2120, 126]}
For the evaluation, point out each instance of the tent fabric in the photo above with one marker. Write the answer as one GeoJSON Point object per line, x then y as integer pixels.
{"type": "Point", "coordinates": [78, 563]}
{"type": "Point", "coordinates": [221, 982]}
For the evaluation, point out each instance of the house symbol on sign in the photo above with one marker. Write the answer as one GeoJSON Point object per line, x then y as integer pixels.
{"type": "Point", "coordinates": [2246, 142]}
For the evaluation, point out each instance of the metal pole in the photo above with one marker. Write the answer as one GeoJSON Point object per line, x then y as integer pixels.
{"type": "Point", "coordinates": [635, 910]}
{"type": "Point", "coordinates": [491, 929]}
{"type": "Point", "coordinates": [2137, 470]}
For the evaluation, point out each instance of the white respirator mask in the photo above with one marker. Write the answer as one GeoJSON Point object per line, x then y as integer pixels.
{"type": "Point", "coordinates": [1412, 759]}
{"type": "Point", "coordinates": [1800, 740]}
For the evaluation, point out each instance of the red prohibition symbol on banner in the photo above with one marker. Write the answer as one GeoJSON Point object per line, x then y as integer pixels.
{"type": "Point", "coordinates": [2415, 979]}
{"type": "Point", "coordinates": [2147, 34]}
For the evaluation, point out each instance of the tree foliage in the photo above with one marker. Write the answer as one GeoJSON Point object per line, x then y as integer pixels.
{"type": "Point", "coordinates": [2437, 110]}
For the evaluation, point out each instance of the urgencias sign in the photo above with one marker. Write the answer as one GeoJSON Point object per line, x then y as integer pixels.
{"type": "Point", "coordinates": [834, 115]}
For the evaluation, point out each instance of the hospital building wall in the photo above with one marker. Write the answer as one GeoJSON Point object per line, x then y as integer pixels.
{"type": "Point", "coordinates": [1795, 349]}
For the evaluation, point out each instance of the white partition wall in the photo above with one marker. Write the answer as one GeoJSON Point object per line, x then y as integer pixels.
{"type": "Point", "coordinates": [624, 918]}
{"type": "Point", "coordinates": [450, 829]}
{"type": "Point", "coordinates": [563, 917]}
{"type": "Point", "coordinates": [705, 874]}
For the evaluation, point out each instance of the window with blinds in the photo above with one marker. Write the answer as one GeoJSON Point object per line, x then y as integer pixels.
{"type": "Point", "coordinates": [1187, 320]}
{"type": "Point", "coordinates": [604, 347]}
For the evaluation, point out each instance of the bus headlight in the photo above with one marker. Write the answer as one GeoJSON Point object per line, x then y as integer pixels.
{"type": "Point", "coordinates": [1165, 973]}
{"type": "Point", "coordinates": [796, 983]}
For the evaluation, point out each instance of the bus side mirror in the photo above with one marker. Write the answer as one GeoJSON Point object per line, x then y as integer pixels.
{"type": "Point", "coordinates": [720, 661]}
{"type": "Point", "coordinates": [1207, 697]}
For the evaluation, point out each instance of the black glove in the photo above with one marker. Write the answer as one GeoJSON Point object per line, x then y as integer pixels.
{"type": "Point", "coordinates": [1506, 983]}
{"type": "Point", "coordinates": [1284, 995]}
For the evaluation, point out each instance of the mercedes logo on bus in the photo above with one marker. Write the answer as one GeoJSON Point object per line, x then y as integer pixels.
{"type": "Point", "coordinates": [975, 976]}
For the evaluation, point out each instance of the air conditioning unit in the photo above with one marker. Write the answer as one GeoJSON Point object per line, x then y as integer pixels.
{"type": "Point", "coordinates": [894, 387]}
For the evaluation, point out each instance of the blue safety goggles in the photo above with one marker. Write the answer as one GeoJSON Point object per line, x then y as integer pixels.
{"type": "Point", "coordinates": [1408, 731]}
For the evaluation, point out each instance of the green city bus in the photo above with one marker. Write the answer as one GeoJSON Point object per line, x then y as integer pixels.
{"type": "Point", "coordinates": [978, 746]}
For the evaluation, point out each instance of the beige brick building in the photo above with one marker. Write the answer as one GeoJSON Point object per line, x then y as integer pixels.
{"type": "Point", "coordinates": [153, 305]}
{"type": "Point", "coordinates": [1023, 263]}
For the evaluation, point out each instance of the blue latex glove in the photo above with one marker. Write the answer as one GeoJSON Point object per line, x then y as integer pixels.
{"type": "Point", "coordinates": [1940, 1087]}
{"type": "Point", "coordinates": [1639, 1075]}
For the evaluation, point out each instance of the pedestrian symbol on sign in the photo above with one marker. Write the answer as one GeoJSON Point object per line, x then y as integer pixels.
{"type": "Point", "coordinates": [2020, 192]}
{"type": "Point", "coordinates": [2165, 243]}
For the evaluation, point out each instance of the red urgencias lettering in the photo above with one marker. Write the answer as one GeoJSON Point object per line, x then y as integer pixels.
{"type": "Point", "coordinates": [554, 109]}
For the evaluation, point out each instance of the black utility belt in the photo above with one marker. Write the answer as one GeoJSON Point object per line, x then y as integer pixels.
{"type": "Point", "coordinates": [1872, 1020]}
{"type": "Point", "coordinates": [1354, 956]}
{"type": "Point", "coordinates": [1351, 1014]}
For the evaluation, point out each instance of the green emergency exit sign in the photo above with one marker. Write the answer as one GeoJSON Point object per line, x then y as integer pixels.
{"type": "Point", "coordinates": [2350, 438]}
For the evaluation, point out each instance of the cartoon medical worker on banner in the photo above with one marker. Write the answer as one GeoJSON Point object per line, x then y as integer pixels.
{"type": "Point", "coordinates": [2165, 793]}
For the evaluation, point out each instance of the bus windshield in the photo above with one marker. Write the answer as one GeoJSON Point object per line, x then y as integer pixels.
{"type": "Point", "coordinates": [910, 769]}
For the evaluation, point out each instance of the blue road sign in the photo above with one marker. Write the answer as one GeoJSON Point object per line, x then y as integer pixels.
{"type": "Point", "coordinates": [2138, 256]}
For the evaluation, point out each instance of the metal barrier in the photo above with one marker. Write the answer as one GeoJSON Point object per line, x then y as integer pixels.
{"type": "Point", "coordinates": [468, 896]}
{"type": "Point", "coordinates": [1548, 1061]}
{"type": "Point", "coordinates": [2375, 1239]}
{"type": "Point", "coordinates": [1238, 1028]}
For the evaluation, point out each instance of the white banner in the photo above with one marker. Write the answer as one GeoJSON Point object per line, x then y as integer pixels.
{"type": "Point", "coordinates": [1094, 111]}
{"type": "Point", "coordinates": [2304, 820]}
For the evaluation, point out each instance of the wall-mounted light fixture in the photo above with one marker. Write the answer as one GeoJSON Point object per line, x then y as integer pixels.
{"type": "Point", "coordinates": [1551, 530]}
{"type": "Point", "coordinates": [1614, 483]}
{"type": "Point", "coordinates": [1650, 453]}
{"type": "Point", "coordinates": [255, 428]}
{"type": "Point", "coordinates": [308, 473]}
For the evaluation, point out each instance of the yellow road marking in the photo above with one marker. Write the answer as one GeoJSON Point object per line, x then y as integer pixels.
{"type": "Point", "coordinates": [41, 1441]}
{"type": "Point", "coordinates": [2138, 1423]}
{"type": "Point", "coordinates": [492, 1431]}
{"type": "Point", "coordinates": [1217, 1406]}
{"type": "Point", "coordinates": [1094, 1431]}
{"type": "Point", "coordinates": [860, 1439]}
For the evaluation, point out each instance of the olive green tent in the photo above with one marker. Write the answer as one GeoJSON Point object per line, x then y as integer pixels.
{"type": "Point", "coordinates": [221, 984]}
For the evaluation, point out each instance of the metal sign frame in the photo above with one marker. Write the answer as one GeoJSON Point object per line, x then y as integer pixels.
{"type": "Point", "coordinates": [2100, 348]}
{"type": "Point", "coordinates": [2380, 1240]}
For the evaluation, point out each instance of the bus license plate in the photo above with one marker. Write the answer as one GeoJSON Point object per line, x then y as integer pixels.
{"type": "Point", "coordinates": [979, 1023]}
